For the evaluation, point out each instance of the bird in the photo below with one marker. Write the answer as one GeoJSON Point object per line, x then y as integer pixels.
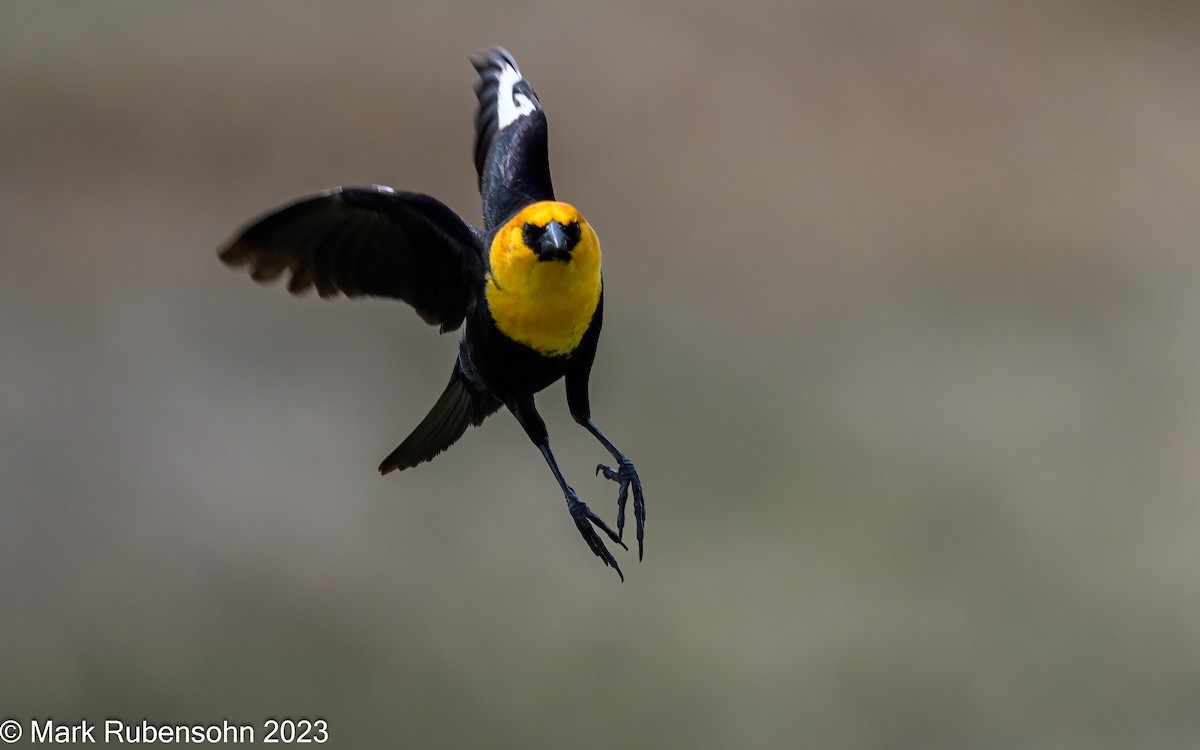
{"type": "Point", "coordinates": [528, 285]}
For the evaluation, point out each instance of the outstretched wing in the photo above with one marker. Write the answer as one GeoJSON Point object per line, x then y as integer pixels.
{"type": "Point", "coordinates": [510, 139]}
{"type": "Point", "coordinates": [368, 241]}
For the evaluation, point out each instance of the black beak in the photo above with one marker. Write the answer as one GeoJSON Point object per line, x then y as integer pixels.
{"type": "Point", "coordinates": [553, 244]}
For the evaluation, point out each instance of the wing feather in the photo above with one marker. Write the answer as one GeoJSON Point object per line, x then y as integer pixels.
{"type": "Point", "coordinates": [368, 241]}
{"type": "Point", "coordinates": [510, 139]}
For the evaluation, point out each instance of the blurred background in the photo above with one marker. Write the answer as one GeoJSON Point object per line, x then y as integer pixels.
{"type": "Point", "coordinates": [901, 331]}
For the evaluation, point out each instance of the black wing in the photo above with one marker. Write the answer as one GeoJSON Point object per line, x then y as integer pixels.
{"type": "Point", "coordinates": [368, 241]}
{"type": "Point", "coordinates": [510, 139]}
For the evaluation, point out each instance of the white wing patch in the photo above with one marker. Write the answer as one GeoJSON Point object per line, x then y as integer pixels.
{"type": "Point", "coordinates": [509, 106]}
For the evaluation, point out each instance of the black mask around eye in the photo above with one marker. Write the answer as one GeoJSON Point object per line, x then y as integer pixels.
{"type": "Point", "coordinates": [553, 241]}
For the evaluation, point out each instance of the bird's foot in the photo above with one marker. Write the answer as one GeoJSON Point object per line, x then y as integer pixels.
{"type": "Point", "coordinates": [627, 477]}
{"type": "Point", "coordinates": [586, 521]}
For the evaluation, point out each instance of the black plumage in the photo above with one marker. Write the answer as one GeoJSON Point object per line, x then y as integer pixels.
{"type": "Point", "coordinates": [528, 286]}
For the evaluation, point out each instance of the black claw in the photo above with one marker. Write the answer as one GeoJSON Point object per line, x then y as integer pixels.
{"type": "Point", "coordinates": [586, 521]}
{"type": "Point", "coordinates": [639, 512]}
{"type": "Point", "coordinates": [580, 511]}
{"type": "Point", "coordinates": [626, 477]}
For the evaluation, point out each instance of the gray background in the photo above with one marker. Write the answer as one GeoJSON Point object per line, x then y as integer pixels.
{"type": "Point", "coordinates": [901, 331]}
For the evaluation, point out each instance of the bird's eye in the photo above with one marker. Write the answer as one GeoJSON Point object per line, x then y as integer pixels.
{"type": "Point", "coordinates": [573, 233]}
{"type": "Point", "coordinates": [531, 233]}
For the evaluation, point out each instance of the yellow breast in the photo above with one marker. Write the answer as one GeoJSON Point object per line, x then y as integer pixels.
{"type": "Point", "coordinates": [544, 304]}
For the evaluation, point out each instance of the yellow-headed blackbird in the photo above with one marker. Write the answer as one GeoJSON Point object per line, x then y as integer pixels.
{"type": "Point", "coordinates": [528, 286]}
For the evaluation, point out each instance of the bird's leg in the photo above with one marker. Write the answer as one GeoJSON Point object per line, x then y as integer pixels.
{"type": "Point", "coordinates": [627, 477]}
{"type": "Point", "coordinates": [585, 519]}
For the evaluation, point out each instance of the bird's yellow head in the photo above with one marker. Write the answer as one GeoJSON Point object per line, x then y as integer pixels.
{"type": "Point", "coordinates": [544, 282]}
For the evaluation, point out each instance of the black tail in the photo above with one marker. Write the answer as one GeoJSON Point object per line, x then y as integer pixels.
{"type": "Point", "coordinates": [457, 408]}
